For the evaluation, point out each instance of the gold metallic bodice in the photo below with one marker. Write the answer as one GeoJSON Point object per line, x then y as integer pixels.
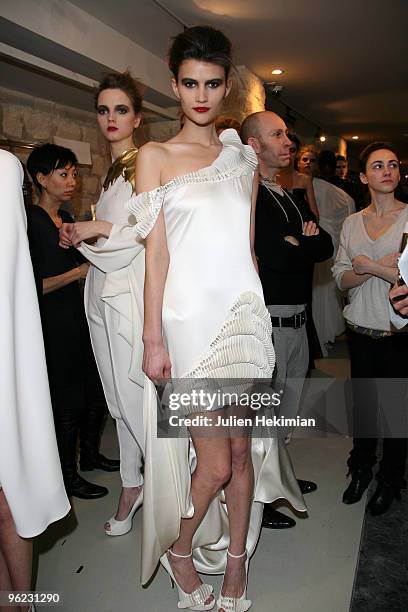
{"type": "Point", "coordinates": [124, 165]}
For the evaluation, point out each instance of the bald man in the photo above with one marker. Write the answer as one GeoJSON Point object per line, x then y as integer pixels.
{"type": "Point", "coordinates": [288, 242]}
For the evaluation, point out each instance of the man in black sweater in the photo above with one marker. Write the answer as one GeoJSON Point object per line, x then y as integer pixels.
{"type": "Point", "coordinates": [288, 242]}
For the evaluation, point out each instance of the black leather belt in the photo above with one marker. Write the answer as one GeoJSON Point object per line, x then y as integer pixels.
{"type": "Point", "coordinates": [295, 321]}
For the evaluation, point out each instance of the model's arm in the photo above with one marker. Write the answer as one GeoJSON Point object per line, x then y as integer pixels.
{"type": "Point", "coordinates": [252, 226]}
{"type": "Point", "coordinates": [156, 362]}
{"type": "Point", "coordinates": [352, 272]}
{"type": "Point", "coordinates": [342, 270]}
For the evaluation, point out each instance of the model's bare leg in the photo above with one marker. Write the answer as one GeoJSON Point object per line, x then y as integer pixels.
{"type": "Point", "coordinates": [15, 553]}
{"type": "Point", "coordinates": [238, 495]}
{"type": "Point", "coordinates": [212, 471]}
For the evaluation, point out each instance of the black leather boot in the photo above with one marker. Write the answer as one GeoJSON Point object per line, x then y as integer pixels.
{"type": "Point", "coordinates": [67, 434]}
{"type": "Point", "coordinates": [79, 487]}
{"type": "Point", "coordinates": [382, 499]}
{"type": "Point", "coordinates": [360, 479]}
{"type": "Point", "coordinates": [91, 430]}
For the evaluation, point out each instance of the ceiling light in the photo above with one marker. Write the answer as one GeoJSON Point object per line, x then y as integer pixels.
{"type": "Point", "coordinates": [278, 71]}
{"type": "Point", "coordinates": [355, 137]}
{"type": "Point", "coordinates": [322, 138]}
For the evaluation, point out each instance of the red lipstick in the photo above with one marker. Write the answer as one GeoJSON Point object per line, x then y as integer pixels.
{"type": "Point", "coordinates": [201, 109]}
{"type": "Point", "coordinates": [112, 128]}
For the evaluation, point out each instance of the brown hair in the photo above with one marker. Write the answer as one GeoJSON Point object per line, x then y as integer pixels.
{"type": "Point", "coordinates": [126, 83]}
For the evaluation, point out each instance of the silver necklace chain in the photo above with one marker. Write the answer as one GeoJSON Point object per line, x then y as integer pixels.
{"type": "Point", "coordinates": [270, 191]}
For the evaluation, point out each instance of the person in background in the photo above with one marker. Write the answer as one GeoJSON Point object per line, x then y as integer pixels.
{"type": "Point", "coordinates": [341, 167]}
{"type": "Point", "coordinates": [334, 206]}
{"type": "Point", "coordinates": [327, 171]}
{"type": "Point", "coordinates": [74, 385]}
{"type": "Point", "coordinates": [287, 244]}
{"type": "Point", "coordinates": [32, 494]}
{"type": "Point", "coordinates": [365, 266]}
{"type": "Point", "coordinates": [301, 186]}
{"type": "Point", "coordinates": [295, 182]}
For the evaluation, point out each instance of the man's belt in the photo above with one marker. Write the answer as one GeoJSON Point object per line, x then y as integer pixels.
{"type": "Point", "coordinates": [295, 321]}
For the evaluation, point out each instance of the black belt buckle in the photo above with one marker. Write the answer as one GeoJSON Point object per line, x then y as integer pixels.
{"type": "Point", "coordinates": [298, 320]}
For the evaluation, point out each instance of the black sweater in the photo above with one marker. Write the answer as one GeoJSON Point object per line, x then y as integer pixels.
{"type": "Point", "coordinates": [286, 270]}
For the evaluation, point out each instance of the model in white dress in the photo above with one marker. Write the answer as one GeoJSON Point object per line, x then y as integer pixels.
{"type": "Point", "coordinates": [115, 324]}
{"type": "Point", "coordinates": [30, 471]}
{"type": "Point", "coordinates": [215, 324]}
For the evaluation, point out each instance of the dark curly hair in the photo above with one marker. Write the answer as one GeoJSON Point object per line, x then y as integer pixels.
{"type": "Point", "coordinates": [126, 83]}
{"type": "Point", "coordinates": [202, 43]}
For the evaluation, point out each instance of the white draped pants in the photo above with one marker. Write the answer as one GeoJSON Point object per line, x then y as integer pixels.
{"type": "Point", "coordinates": [123, 396]}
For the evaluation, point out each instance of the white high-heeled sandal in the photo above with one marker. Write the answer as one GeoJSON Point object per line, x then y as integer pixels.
{"type": "Point", "coordinates": [192, 601]}
{"type": "Point", "coordinates": [236, 604]}
{"type": "Point", "coordinates": [118, 528]}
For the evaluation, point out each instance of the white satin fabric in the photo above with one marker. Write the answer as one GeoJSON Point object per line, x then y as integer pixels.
{"type": "Point", "coordinates": [334, 206]}
{"type": "Point", "coordinates": [114, 308]}
{"type": "Point", "coordinates": [30, 471]}
{"type": "Point", "coordinates": [215, 324]}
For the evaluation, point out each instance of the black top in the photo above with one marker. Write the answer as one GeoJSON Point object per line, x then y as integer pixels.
{"type": "Point", "coordinates": [63, 318]}
{"type": "Point", "coordinates": [285, 269]}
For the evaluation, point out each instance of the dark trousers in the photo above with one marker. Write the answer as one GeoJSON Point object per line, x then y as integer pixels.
{"type": "Point", "coordinates": [379, 371]}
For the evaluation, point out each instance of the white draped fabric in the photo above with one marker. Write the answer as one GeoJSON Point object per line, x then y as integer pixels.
{"type": "Point", "coordinates": [30, 472]}
{"type": "Point", "coordinates": [334, 206]}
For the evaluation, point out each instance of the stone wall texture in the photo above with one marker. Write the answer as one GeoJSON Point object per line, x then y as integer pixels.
{"type": "Point", "coordinates": [25, 119]}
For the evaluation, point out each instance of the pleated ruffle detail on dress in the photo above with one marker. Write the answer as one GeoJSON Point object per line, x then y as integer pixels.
{"type": "Point", "coordinates": [242, 348]}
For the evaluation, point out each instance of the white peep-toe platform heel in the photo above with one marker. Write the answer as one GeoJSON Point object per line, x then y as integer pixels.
{"type": "Point", "coordinates": [192, 601]}
{"type": "Point", "coordinates": [236, 604]}
{"type": "Point", "coordinates": [118, 528]}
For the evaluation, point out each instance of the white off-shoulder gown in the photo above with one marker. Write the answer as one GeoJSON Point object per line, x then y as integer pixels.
{"type": "Point", "coordinates": [215, 324]}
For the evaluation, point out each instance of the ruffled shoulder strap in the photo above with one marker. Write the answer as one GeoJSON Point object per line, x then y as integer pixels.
{"type": "Point", "coordinates": [236, 151]}
{"type": "Point", "coordinates": [145, 207]}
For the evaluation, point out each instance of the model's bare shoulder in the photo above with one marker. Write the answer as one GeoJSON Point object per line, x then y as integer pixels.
{"type": "Point", "coordinates": [150, 160]}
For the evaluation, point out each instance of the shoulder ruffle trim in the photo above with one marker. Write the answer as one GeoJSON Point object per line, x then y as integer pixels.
{"type": "Point", "coordinates": [235, 160]}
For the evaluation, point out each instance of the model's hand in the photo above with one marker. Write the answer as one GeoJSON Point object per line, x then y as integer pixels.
{"type": "Point", "coordinates": [362, 264]}
{"type": "Point", "coordinates": [401, 293]}
{"type": "Point", "coordinates": [84, 230]}
{"type": "Point", "coordinates": [83, 270]}
{"type": "Point", "coordinates": [310, 229]}
{"type": "Point", "coordinates": [65, 234]}
{"type": "Point", "coordinates": [390, 260]}
{"type": "Point", "coordinates": [292, 240]}
{"type": "Point", "coordinates": [156, 362]}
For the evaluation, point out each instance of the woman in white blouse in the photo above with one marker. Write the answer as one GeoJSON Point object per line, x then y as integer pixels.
{"type": "Point", "coordinates": [366, 266]}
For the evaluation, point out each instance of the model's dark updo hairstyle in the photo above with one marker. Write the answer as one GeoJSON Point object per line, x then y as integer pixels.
{"type": "Point", "coordinates": [126, 83]}
{"type": "Point", "coordinates": [202, 43]}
